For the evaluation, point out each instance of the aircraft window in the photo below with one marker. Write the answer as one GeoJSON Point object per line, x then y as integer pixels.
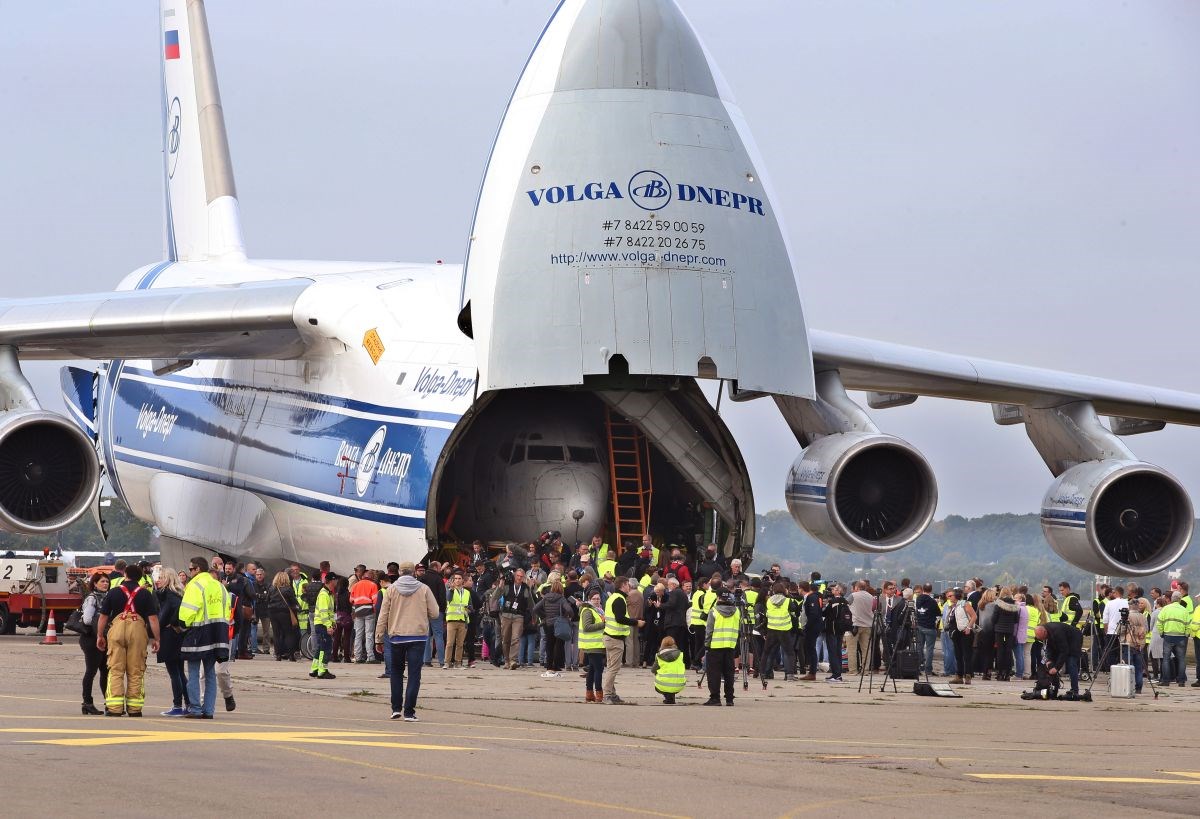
{"type": "Point", "coordinates": [583, 454]}
{"type": "Point", "coordinates": [518, 454]}
{"type": "Point", "coordinates": [542, 452]}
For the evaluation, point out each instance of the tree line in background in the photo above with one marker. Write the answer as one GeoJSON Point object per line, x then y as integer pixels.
{"type": "Point", "coordinates": [999, 548]}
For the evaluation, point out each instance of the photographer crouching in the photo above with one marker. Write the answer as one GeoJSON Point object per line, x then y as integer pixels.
{"type": "Point", "coordinates": [1063, 647]}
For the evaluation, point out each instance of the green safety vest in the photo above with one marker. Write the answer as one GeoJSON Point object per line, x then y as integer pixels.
{"type": "Point", "coordinates": [779, 618]}
{"type": "Point", "coordinates": [751, 597]}
{"type": "Point", "coordinates": [645, 582]}
{"type": "Point", "coordinates": [590, 640]}
{"type": "Point", "coordinates": [611, 627]}
{"type": "Point", "coordinates": [1064, 611]}
{"type": "Point", "coordinates": [1194, 627]}
{"type": "Point", "coordinates": [671, 677]}
{"type": "Point", "coordinates": [702, 601]}
{"type": "Point", "coordinates": [456, 605]}
{"type": "Point", "coordinates": [323, 612]}
{"type": "Point", "coordinates": [1035, 617]}
{"type": "Point", "coordinates": [601, 553]}
{"type": "Point", "coordinates": [298, 590]}
{"type": "Point", "coordinates": [1174, 621]}
{"type": "Point", "coordinates": [606, 567]}
{"type": "Point", "coordinates": [725, 630]}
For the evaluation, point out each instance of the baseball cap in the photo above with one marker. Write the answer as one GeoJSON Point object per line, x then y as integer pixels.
{"type": "Point", "coordinates": [407, 566]}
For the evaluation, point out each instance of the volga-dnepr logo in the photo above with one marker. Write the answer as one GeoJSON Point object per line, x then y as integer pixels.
{"type": "Point", "coordinates": [649, 190]}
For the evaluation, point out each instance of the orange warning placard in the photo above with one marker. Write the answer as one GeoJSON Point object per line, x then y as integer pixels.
{"type": "Point", "coordinates": [373, 345]}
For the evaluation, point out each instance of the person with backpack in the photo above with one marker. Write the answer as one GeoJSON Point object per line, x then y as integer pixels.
{"type": "Point", "coordinates": [962, 624]}
{"type": "Point", "coordinates": [121, 630]}
{"type": "Point", "coordinates": [94, 659]}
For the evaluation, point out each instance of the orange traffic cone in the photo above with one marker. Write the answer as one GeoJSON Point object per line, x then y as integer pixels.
{"type": "Point", "coordinates": [51, 638]}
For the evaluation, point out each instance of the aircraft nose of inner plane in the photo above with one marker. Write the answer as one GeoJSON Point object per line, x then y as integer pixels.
{"type": "Point", "coordinates": [602, 44]}
{"type": "Point", "coordinates": [562, 490]}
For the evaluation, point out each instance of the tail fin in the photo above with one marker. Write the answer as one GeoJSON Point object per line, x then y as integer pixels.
{"type": "Point", "coordinates": [203, 220]}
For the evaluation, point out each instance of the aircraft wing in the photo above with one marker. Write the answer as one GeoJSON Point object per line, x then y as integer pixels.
{"type": "Point", "coordinates": [247, 320]}
{"type": "Point", "coordinates": [882, 367]}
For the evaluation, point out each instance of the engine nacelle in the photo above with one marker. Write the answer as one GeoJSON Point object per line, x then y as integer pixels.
{"type": "Point", "coordinates": [862, 492]}
{"type": "Point", "coordinates": [1123, 518]}
{"type": "Point", "coordinates": [49, 473]}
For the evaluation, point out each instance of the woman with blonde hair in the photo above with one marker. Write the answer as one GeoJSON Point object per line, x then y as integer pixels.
{"type": "Point", "coordinates": [169, 591]}
{"type": "Point", "coordinates": [282, 608]}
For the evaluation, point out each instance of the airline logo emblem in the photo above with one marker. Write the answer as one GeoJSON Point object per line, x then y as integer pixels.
{"type": "Point", "coordinates": [370, 459]}
{"type": "Point", "coordinates": [649, 190]}
{"type": "Point", "coordinates": [174, 117]}
{"type": "Point", "coordinates": [171, 45]}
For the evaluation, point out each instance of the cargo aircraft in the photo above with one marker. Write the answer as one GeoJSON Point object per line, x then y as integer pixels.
{"type": "Point", "coordinates": [284, 410]}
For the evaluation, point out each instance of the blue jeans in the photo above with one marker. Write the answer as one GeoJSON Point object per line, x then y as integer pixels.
{"type": "Point", "coordinates": [1072, 670]}
{"type": "Point", "coordinates": [437, 633]}
{"type": "Point", "coordinates": [949, 666]}
{"type": "Point", "coordinates": [594, 665]}
{"type": "Point", "coordinates": [529, 650]}
{"type": "Point", "coordinates": [208, 704]}
{"type": "Point", "coordinates": [926, 641]}
{"type": "Point", "coordinates": [252, 646]}
{"type": "Point", "coordinates": [178, 679]}
{"type": "Point", "coordinates": [410, 655]}
{"type": "Point", "coordinates": [822, 649]}
{"type": "Point", "coordinates": [1174, 658]}
{"type": "Point", "coordinates": [1019, 658]}
{"type": "Point", "coordinates": [387, 657]}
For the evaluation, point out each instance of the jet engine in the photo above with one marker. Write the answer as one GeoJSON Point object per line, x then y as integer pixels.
{"type": "Point", "coordinates": [862, 492]}
{"type": "Point", "coordinates": [49, 473]}
{"type": "Point", "coordinates": [1124, 518]}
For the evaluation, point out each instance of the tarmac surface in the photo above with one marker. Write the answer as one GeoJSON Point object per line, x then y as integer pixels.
{"type": "Point", "coordinates": [510, 743]}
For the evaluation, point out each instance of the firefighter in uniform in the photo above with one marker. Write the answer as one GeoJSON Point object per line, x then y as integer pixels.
{"type": "Point", "coordinates": [322, 623]}
{"type": "Point", "coordinates": [721, 640]}
{"type": "Point", "coordinates": [121, 631]}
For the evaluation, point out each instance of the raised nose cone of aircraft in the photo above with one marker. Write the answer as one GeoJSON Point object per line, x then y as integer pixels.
{"type": "Point", "coordinates": [624, 201]}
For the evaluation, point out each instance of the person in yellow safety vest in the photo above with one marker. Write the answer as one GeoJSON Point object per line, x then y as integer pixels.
{"type": "Point", "coordinates": [646, 581]}
{"type": "Point", "coordinates": [591, 643]}
{"type": "Point", "coordinates": [606, 568]}
{"type": "Point", "coordinates": [721, 639]}
{"type": "Point", "coordinates": [128, 607]}
{"type": "Point", "coordinates": [1173, 624]}
{"type": "Point", "coordinates": [778, 609]}
{"type": "Point", "coordinates": [322, 622]}
{"type": "Point", "coordinates": [1069, 612]}
{"type": "Point", "coordinates": [750, 588]}
{"type": "Point", "coordinates": [458, 605]}
{"type": "Point", "coordinates": [1034, 613]}
{"type": "Point", "coordinates": [204, 611]}
{"type": "Point", "coordinates": [648, 543]}
{"type": "Point", "coordinates": [670, 675]}
{"type": "Point", "coordinates": [703, 599]}
{"type": "Point", "coordinates": [299, 581]}
{"type": "Point", "coordinates": [617, 624]}
{"type": "Point", "coordinates": [599, 549]}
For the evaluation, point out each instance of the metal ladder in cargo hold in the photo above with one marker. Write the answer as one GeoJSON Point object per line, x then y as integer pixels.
{"type": "Point", "coordinates": [632, 483]}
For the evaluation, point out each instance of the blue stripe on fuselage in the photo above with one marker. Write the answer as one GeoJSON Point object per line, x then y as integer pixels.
{"type": "Point", "coordinates": [263, 441]}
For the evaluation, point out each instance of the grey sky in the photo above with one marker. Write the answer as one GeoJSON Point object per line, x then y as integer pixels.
{"type": "Point", "coordinates": [1017, 181]}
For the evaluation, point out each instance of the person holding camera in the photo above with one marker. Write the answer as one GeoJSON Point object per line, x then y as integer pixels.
{"type": "Point", "coordinates": [516, 603]}
{"type": "Point", "coordinates": [838, 620]}
{"type": "Point", "coordinates": [779, 613]}
{"type": "Point", "coordinates": [1063, 646]}
{"type": "Point", "coordinates": [722, 635]}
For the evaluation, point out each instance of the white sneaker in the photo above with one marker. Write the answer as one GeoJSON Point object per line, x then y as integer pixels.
{"type": "Point", "coordinates": [445, 666]}
{"type": "Point", "coordinates": [836, 680]}
{"type": "Point", "coordinates": [396, 715]}
{"type": "Point", "coordinates": [412, 718]}
{"type": "Point", "coordinates": [547, 675]}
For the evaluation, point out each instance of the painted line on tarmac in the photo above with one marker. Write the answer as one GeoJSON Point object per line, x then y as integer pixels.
{"type": "Point", "coordinates": [486, 785]}
{"type": "Point", "coordinates": [1118, 780]}
{"type": "Point", "coordinates": [1045, 749]}
{"type": "Point", "coordinates": [86, 738]}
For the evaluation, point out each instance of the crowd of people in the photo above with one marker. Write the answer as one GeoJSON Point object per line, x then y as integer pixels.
{"type": "Point", "coordinates": [592, 610]}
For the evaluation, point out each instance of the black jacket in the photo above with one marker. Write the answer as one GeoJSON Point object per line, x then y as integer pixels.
{"type": "Point", "coordinates": [708, 568]}
{"type": "Point", "coordinates": [438, 587]}
{"type": "Point", "coordinates": [281, 600]}
{"type": "Point", "coordinates": [170, 632]}
{"type": "Point", "coordinates": [1062, 641]}
{"type": "Point", "coordinates": [812, 614]}
{"type": "Point", "coordinates": [674, 610]}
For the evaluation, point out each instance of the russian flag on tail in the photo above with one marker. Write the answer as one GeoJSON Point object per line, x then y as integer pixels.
{"type": "Point", "coordinates": [171, 45]}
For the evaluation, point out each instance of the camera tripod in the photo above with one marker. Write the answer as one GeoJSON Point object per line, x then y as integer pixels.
{"type": "Point", "coordinates": [867, 662]}
{"type": "Point", "coordinates": [1113, 641]}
